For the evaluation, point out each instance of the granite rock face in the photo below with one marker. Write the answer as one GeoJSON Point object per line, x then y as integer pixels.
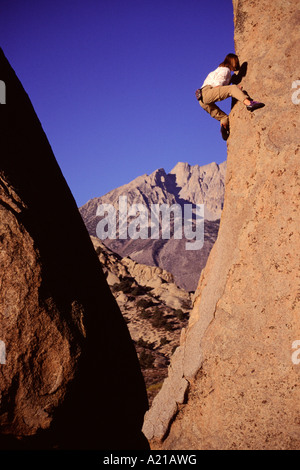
{"type": "Point", "coordinates": [234, 381]}
{"type": "Point", "coordinates": [71, 377]}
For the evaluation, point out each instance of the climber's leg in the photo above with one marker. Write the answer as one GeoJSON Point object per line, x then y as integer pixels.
{"type": "Point", "coordinates": [215, 112]}
{"type": "Point", "coordinates": [235, 92]}
{"type": "Point", "coordinates": [220, 93]}
{"type": "Point", "coordinates": [232, 91]}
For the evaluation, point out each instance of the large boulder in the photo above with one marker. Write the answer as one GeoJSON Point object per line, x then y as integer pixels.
{"type": "Point", "coordinates": [71, 377]}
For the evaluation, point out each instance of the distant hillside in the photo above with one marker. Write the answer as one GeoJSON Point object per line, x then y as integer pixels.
{"type": "Point", "coordinates": [185, 184]}
{"type": "Point", "coordinates": [154, 308]}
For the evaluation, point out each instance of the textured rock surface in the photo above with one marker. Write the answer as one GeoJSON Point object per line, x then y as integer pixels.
{"type": "Point", "coordinates": [232, 383]}
{"type": "Point", "coordinates": [154, 308]}
{"type": "Point", "coordinates": [71, 378]}
{"type": "Point", "coordinates": [185, 184]}
{"type": "Point", "coordinates": [159, 290]}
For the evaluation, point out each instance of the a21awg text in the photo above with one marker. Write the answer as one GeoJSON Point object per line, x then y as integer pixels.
{"type": "Point", "coordinates": [155, 459]}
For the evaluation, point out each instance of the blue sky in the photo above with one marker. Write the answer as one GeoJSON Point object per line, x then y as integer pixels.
{"type": "Point", "coordinates": [113, 82]}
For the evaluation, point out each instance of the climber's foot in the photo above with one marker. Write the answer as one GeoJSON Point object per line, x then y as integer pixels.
{"type": "Point", "coordinates": [224, 131]}
{"type": "Point", "coordinates": [255, 105]}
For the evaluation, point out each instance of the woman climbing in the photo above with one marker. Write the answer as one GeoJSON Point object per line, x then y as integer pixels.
{"type": "Point", "coordinates": [216, 87]}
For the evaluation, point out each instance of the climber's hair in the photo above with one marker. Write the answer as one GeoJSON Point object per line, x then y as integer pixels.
{"type": "Point", "coordinates": [231, 61]}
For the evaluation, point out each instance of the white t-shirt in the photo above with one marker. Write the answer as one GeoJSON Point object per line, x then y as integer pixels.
{"type": "Point", "coordinates": [219, 77]}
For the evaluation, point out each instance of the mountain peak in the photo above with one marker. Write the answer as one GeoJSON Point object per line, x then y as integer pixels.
{"type": "Point", "coordinates": [181, 167]}
{"type": "Point", "coordinates": [158, 176]}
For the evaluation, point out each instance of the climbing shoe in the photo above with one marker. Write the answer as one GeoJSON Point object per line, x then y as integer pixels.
{"type": "Point", "coordinates": [224, 132]}
{"type": "Point", "coordinates": [255, 105]}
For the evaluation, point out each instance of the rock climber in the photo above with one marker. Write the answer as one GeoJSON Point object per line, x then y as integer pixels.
{"type": "Point", "coordinates": [216, 87]}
